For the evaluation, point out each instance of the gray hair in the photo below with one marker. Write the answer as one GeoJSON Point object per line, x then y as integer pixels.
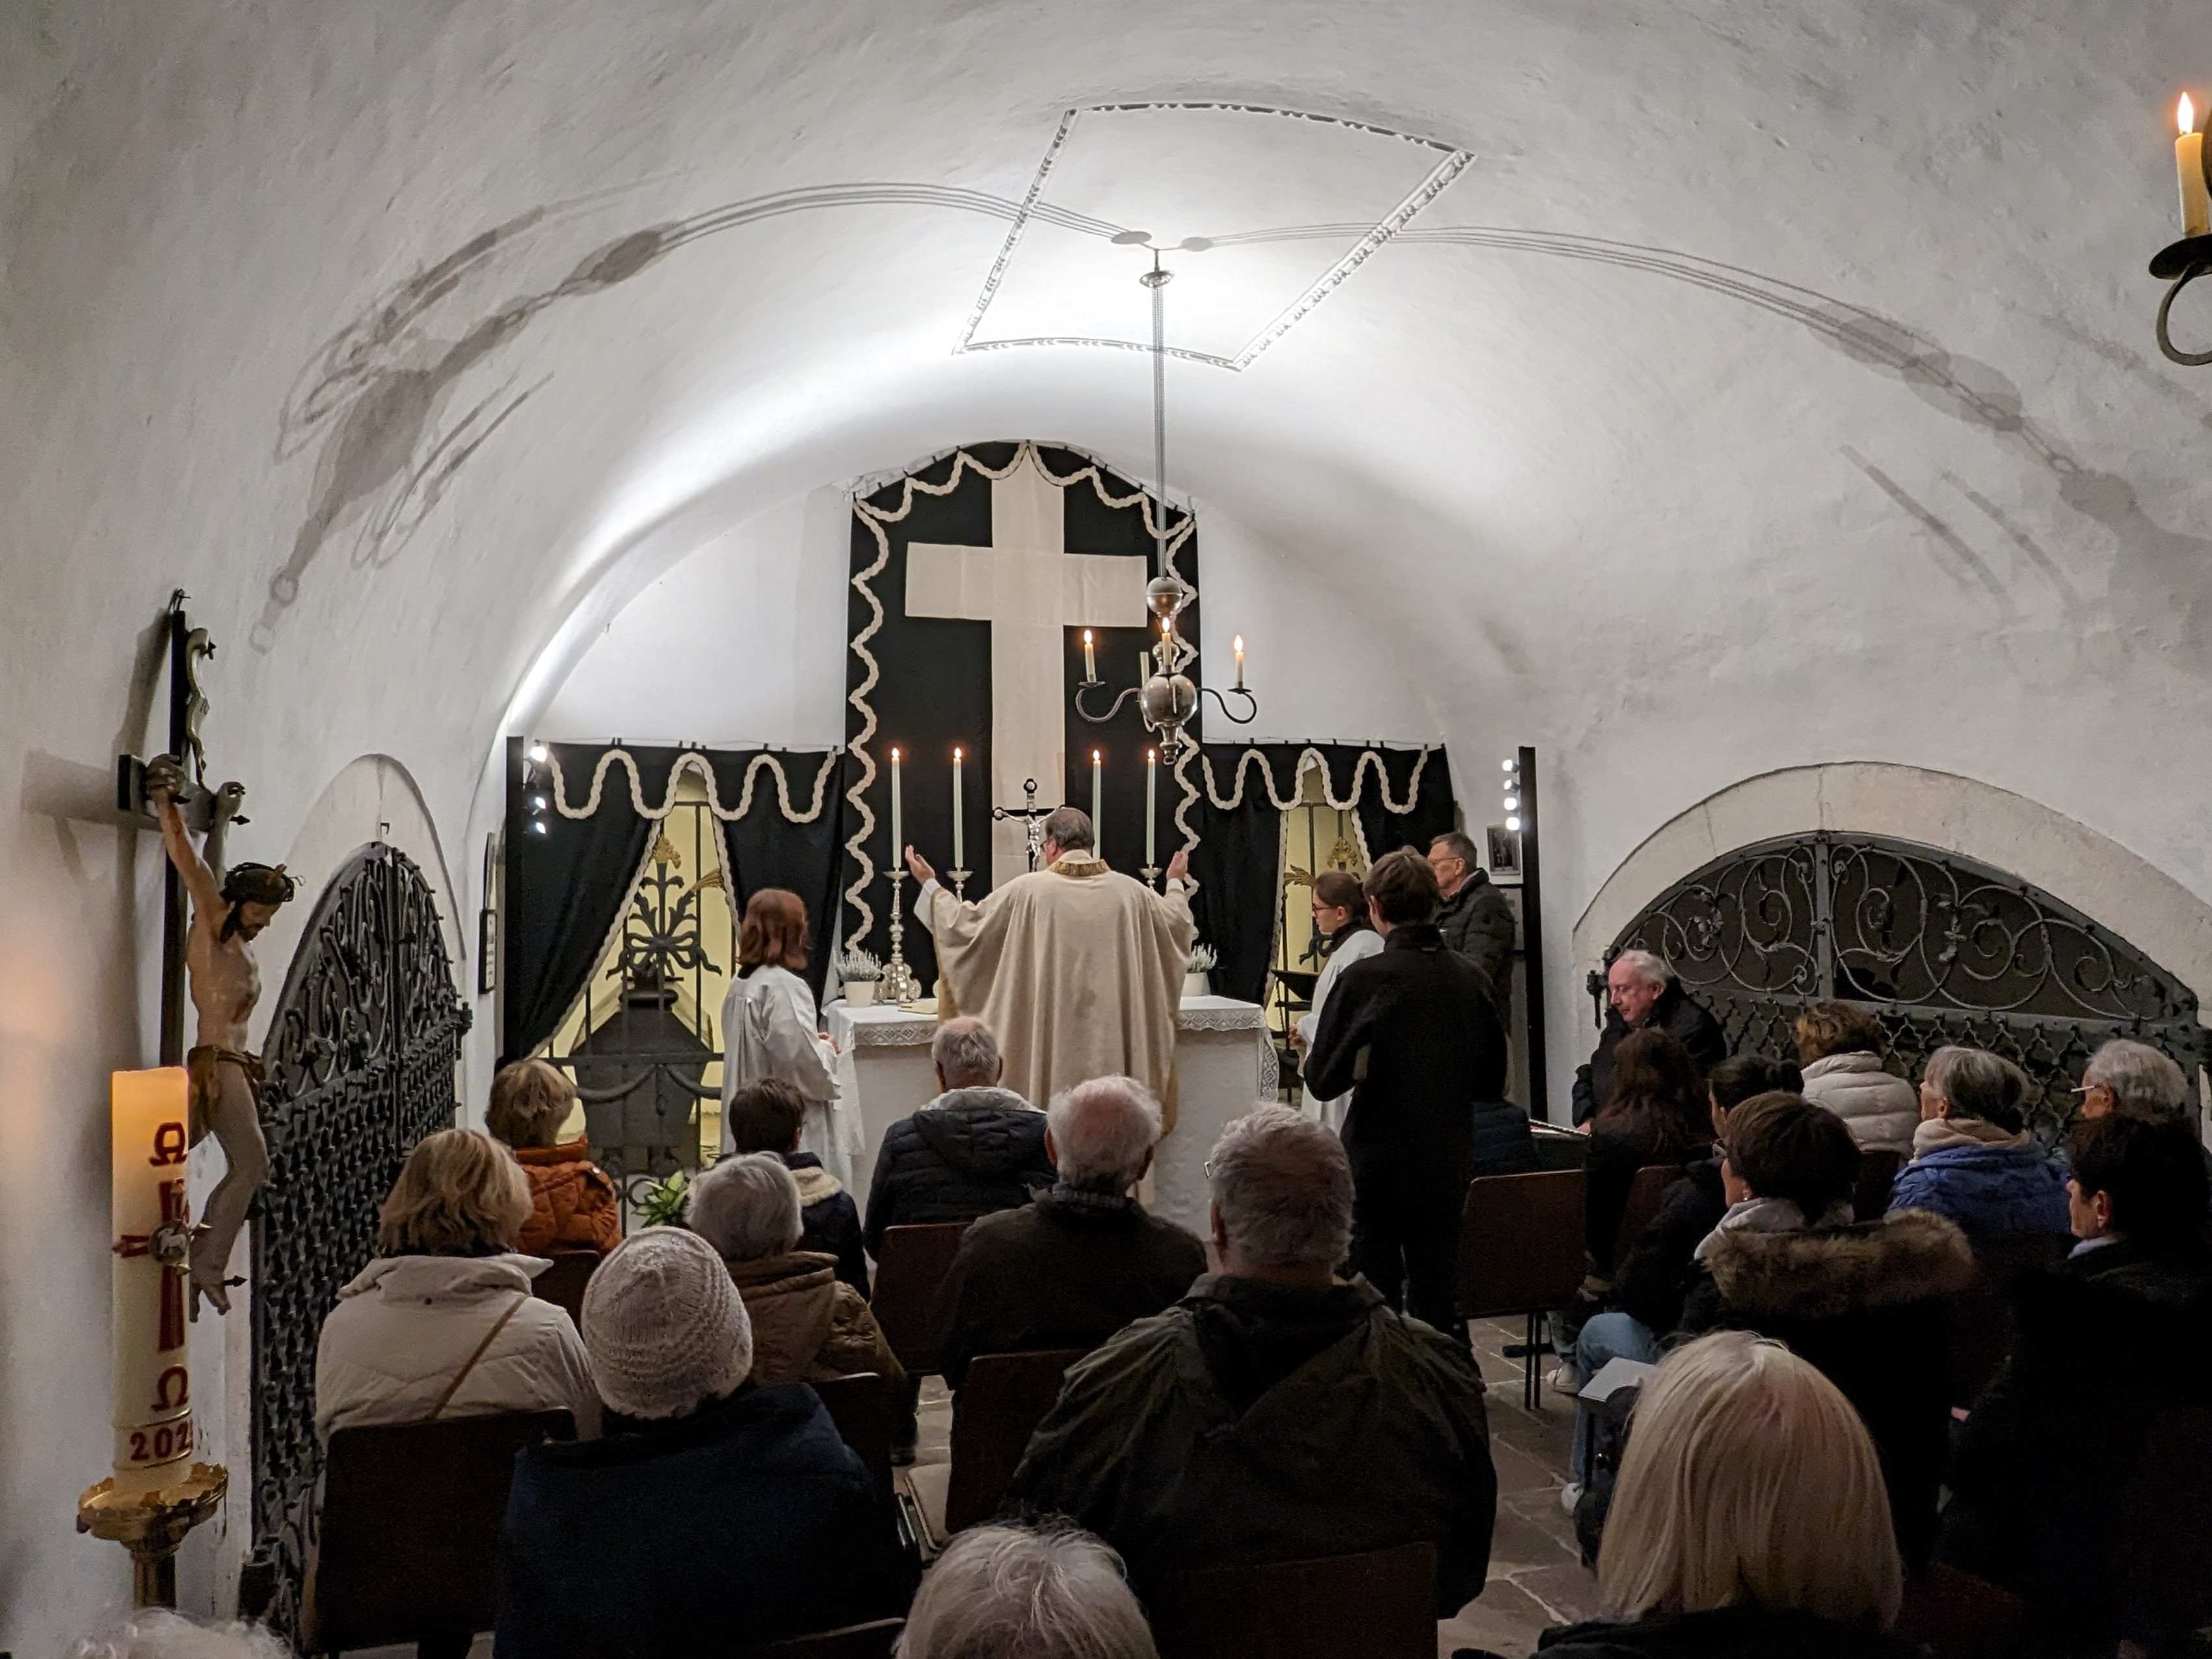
{"type": "Point", "coordinates": [1979, 1084]}
{"type": "Point", "coordinates": [746, 1206]}
{"type": "Point", "coordinates": [1460, 846]}
{"type": "Point", "coordinates": [2142, 1080]}
{"type": "Point", "coordinates": [1283, 1186]}
{"type": "Point", "coordinates": [1648, 966]}
{"type": "Point", "coordinates": [1069, 828]}
{"type": "Point", "coordinates": [967, 1053]}
{"type": "Point", "coordinates": [153, 1633]}
{"type": "Point", "coordinates": [1004, 1592]}
{"type": "Point", "coordinates": [1101, 1130]}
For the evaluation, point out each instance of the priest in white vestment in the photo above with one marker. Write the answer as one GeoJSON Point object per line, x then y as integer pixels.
{"type": "Point", "coordinates": [1077, 968]}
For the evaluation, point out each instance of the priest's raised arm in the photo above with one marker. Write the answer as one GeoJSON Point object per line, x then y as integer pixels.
{"type": "Point", "coordinates": [1077, 967]}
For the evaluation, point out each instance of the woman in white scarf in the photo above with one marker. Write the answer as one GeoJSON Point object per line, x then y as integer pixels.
{"type": "Point", "coordinates": [1340, 915]}
{"type": "Point", "coordinates": [771, 1029]}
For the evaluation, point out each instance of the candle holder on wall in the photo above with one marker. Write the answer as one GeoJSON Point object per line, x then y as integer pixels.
{"type": "Point", "coordinates": [900, 985]}
{"type": "Point", "coordinates": [2179, 264]}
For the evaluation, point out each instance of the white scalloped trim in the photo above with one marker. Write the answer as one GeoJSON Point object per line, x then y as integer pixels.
{"type": "Point", "coordinates": [693, 761]}
{"type": "Point", "coordinates": [1313, 756]}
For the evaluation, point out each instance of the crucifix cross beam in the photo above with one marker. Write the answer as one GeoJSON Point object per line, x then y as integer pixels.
{"type": "Point", "coordinates": [1031, 589]}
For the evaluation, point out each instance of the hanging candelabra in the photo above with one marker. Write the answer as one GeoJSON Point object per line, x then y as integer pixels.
{"type": "Point", "coordinates": [1166, 696]}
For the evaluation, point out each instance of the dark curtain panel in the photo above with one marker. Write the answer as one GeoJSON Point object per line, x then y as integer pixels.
{"type": "Point", "coordinates": [564, 886]}
{"type": "Point", "coordinates": [1237, 866]}
{"type": "Point", "coordinates": [1433, 809]}
{"type": "Point", "coordinates": [770, 850]}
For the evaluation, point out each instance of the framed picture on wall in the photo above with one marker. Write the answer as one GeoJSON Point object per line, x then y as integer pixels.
{"type": "Point", "coordinates": [1505, 855]}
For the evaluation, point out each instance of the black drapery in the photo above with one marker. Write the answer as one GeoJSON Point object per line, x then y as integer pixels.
{"type": "Point", "coordinates": [767, 849]}
{"type": "Point", "coordinates": [1238, 860]}
{"type": "Point", "coordinates": [565, 883]}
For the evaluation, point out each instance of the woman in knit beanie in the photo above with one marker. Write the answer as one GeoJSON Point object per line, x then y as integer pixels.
{"type": "Point", "coordinates": [670, 1329]}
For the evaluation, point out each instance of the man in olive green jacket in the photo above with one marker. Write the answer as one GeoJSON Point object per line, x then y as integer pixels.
{"type": "Point", "coordinates": [1275, 1414]}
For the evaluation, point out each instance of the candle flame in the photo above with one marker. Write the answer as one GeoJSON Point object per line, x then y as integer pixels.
{"type": "Point", "coordinates": [1237, 644]}
{"type": "Point", "coordinates": [956, 754]}
{"type": "Point", "coordinates": [1087, 636]}
{"type": "Point", "coordinates": [2185, 114]}
{"type": "Point", "coordinates": [1152, 756]}
{"type": "Point", "coordinates": [894, 757]}
{"type": "Point", "coordinates": [1094, 757]}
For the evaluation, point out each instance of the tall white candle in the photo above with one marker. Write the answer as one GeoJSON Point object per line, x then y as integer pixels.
{"type": "Point", "coordinates": [148, 1112]}
{"type": "Point", "coordinates": [959, 833]}
{"type": "Point", "coordinates": [1089, 660]}
{"type": "Point", "coordinates": [1238, 646]}
{"type": "Point", "coordinates": [898, 835]}
{"type": "Point", "coordinates": [2188, 164]}
{"type": "Point", "coordinates": [1151, 801]}
{"type": "Point", "coordinates": [1097, 830]}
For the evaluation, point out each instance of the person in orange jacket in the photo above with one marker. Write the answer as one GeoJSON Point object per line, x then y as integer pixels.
{"type": "Point", "coordinates": [573, 1204]}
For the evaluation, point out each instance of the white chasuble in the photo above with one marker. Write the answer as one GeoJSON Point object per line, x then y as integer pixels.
{"type": "Point", "coordinates": [1078, 971]}
{"type": "Point", "coordinates": [770, 1029]}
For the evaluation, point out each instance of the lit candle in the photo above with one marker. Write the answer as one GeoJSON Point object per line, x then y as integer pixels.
{"type": "Point", "coordinates": [2189, 163]}
{"type": "Point", "coordinates": [1098, 836]}
{"type": "Point", "coordinates": [148, 1147]}
{"type": "Point", "coordinates": [1151, 801]}
{"type": "Point", "coordinates": [1089, 661]}
{"type": "Point", "coordinates": [959, 835]}
{"type": "Point", "coordinates": [898, 839]}
{"type": "Point", "coordinates": [1238, 646]}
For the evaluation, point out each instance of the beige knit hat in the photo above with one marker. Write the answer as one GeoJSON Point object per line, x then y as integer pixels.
{"type": "Point", "coordinates": [664, 1326]}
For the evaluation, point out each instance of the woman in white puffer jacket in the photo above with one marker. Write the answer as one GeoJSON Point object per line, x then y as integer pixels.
{"type": "Point", "coordinates": [442, 1324]}
{"type": "Point", "coordinates": [1838, 1046]}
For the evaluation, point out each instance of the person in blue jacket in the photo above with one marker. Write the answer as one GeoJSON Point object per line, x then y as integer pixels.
{"type": "Point", "coordinates": [1973, 1158]}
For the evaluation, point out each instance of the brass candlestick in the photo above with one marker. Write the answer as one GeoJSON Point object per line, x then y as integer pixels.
{"type": "Point", "coordinates": [152, 1524]}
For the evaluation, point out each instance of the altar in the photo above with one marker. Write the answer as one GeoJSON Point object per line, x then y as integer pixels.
{"type": "Point", "coordinates": [1225, 1063]}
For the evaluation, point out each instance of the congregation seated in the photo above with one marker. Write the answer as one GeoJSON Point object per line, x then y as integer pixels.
{"type": "Point", "coordinates": [1749, 1520]}
{"type": "Point", "coordinates": [574, 1204]}
{"type": "Point", "coordinates": [1867, 1302]}
{"type": "Point", "coordinates": [1972, 1158]}
{"type": "Point", "coordinates": [716, 1514]}
{"type": "Point", "coordinates": [1080, 1261]}
{"type": "Point", "coordinates": [2123, 1327]}
{"type": "Point", "coordinates": [1651, 1272]}
{"type": "Point", "coordinates": [808, 1325]}
{"type": "Point", "coordinates": [1049, 1592]}
{"type": "Point", "coordinates": [1839, 1046]}
{"type": "Point", "coordinates": [1275, 1414]}
{"type": "Point", "coordinates": [768, 1116]}
{"type": "Point", "coordinates": [1643, 993]}
{"type": "Point", "coordinates": [2134, 1078]}
{"type": "Point", "coordinates": [441, 1323]}
{"type": "Point", "coordinates": [974, 1149]}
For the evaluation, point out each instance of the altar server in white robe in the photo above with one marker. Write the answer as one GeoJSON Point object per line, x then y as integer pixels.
{"type": "Point", "coordinates": [1340, 914]}
{"type": "Point", "coordinates": [771, 1029]}
{"type": "Point", "coordinates": [1078, 968]}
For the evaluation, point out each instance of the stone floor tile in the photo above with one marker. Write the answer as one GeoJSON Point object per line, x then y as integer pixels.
{"type": "Point", "coordinates": [1506, 1619]}
{"type": "Point", "coordinates": [1570, 1590]}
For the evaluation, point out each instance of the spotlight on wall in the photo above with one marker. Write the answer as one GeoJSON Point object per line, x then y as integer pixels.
{"type": "Point", "coordinates": [538, 754]}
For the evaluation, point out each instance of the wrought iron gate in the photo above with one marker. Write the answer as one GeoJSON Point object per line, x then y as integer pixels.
{"type": "Point", "coordinates": [361, 1058]}
{"type": "Point", "coordinates": [1941, 949]}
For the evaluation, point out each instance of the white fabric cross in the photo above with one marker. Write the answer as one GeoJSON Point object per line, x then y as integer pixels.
{"type": "Point", "coordinates": [1029, 589]}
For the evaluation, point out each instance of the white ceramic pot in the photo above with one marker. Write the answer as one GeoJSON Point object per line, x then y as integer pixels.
{"type": "Point", "coordinates": [1193, 983]}
{"type": "Point", "coordinates": [860, 993]}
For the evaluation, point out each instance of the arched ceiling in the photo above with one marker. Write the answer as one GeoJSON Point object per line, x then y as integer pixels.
{"type": "Point", "coordinates": [1579, 341]}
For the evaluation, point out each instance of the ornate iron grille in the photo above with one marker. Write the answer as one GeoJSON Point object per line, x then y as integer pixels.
{"type": "Point", "coordinates": [361, 1058]}
{"type": "Point", "coordinates": [1940, 948]}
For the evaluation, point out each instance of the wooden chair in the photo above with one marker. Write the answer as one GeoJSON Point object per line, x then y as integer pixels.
{"type": "Point", "coordinates": [562, 1283]}
{"type": "Point", "coordinates": [1001, 1401]}
{"type": "Point", "coordinates": [1381, 1605]}
{"type": "Point", "coordinates": [871, 1641]}
{"type": "Point", "coordinates": [912, 1265]}
{"type": "Point", "coordinates": [407, 1546]}
{"type": "Point", "coordinates": [1981, 1316]}
{"type": "Point", "coordinates": [1521, 1252]}
{"type": "Point", "coordinates": [1645, 1194]}
{"type": "Point", "coordinates": [860, 1406]}
{"type": "Point", "coordinates": [1877, 1170]}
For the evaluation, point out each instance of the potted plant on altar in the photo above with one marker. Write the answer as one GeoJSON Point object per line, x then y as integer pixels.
{"type": "Point", "coordinates": [1200, 962]}
{"type": "Point", "coordinates": [861, 972]}
{"type": "Point", "coordinates": [661, 1204]}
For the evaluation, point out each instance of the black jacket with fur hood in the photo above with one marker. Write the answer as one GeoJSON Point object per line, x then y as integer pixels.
{"type": "Point", "coordinates": [1869, 1304]}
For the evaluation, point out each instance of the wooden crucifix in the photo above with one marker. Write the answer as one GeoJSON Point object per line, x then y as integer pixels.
{"type": "Point", "coordinates": [208, 953]}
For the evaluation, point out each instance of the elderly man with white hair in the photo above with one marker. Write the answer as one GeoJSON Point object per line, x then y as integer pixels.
{"type": "Point", "coordinates": [1642, 991]}
{"type": "Point", "coordinates": [1275, 1414]}
{"type": "Point", "coordinates": [2127, 1076]}
{"type": "Point", "coordinates": [1083, 1258]}
{"type": "Point", "coordinates": [1049, 1592]}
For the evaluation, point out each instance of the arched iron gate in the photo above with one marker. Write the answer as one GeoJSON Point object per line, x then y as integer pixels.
{"type": "Point", "coordinates": [1941, 949]}
{"type": "Point", "coordinates": [361, 1058]}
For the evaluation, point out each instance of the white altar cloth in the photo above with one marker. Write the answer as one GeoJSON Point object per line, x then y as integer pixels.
{"type": "Point", "coordinates": [1224, 1062]}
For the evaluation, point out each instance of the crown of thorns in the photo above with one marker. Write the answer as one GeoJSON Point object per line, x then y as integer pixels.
{"type": "Point", "coordinates": [258, 883]}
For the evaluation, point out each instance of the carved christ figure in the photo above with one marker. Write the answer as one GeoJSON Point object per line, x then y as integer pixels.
{"type": "Point", "coordinates": [230, 908]}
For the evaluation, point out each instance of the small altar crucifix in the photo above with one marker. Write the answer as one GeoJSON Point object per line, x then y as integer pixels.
{"type": "Point", "coordinates": [1032, 818]}
{"type": "Point", "coordinates": [1031, 589]}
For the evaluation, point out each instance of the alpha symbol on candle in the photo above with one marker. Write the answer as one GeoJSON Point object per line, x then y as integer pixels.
{"type": "Point", "coordinates": [169, 1146]}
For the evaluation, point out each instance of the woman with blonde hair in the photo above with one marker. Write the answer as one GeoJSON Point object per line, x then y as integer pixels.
{"type": "Point", "coordinates": [1840, 1045]}
{"type": "Point", "coordinates": [771, 1029]}
{"type": "Point", "coordinates": [442, 1323]}
{"type": "Point", "coordinates": [574, 1204]}
{"type": "Point", "coordinates": [1750, 1519]}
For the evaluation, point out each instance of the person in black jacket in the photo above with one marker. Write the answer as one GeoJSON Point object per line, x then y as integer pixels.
{"type": "Point", "coordinates": [1413, 1034]}
{"type": "Point", "coordinates": [766, 1117]}
{"type": "Point", "coordinates": [1644, 991]}
{"type": "Point", "coordinates": [974, 1149]}
{"type": "Point", "coordinates": [1476, 919]}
